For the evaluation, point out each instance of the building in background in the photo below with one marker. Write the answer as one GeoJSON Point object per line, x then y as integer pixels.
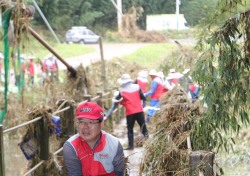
{"type": "Point", "coordinates": [165, 22]}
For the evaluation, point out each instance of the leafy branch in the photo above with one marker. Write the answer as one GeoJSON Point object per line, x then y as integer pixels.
{"type": "Point", "coordinates": [223, 73]}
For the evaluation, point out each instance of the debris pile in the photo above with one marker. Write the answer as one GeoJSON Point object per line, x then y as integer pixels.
{"type": "Point", "coordinates": [114, 69]}
{"type": "Point", "coordinates": [131, 30]}
{"type": "Point", "coordinates": [77, 87]}
{"type": "Point", "coordinates": [166, 152]}
{"type": "Point", "coordinates": [32, 140]}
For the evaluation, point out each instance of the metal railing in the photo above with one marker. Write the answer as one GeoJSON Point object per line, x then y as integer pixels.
{"type": "Point", "coordinates": [103, 99]}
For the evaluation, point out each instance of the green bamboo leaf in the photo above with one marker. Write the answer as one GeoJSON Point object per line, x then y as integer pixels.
{"type": "Point", "coordinates": [232, 139]}
{"type": "Point", "coordinates": [225, 146]}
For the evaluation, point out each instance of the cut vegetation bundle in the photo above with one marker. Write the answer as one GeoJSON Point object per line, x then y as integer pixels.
{"type": "Point", "coordinates": [166, 151]}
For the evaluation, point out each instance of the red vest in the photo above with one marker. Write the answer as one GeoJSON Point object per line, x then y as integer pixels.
{"type": "Point", "coordinates": [159, 90]}
{"type": "Point", "coordinates": [131, 99]}
{"type": "Point", "coordinates": [23, 66]}
{"type": "Point", "coordinates": [192, 88]}
{"type": "Point", "coordinates": [164, 90]}
{"type": "Point", "coordinates": [143, 83]}
{"type": "Point", "coordinates": [31, 68]}
{"type": "Point", "coordinates": [97, 162]}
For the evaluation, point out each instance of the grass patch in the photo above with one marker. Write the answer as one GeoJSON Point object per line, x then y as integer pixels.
{"type": "Point", "coordinates": [33, 47]}
{"type": "Point", "coordinates": [64, 50]}
{"type": "Point", "coordinates": [179, 34]}
{"type": "Point", "coordinates": [150, 56]}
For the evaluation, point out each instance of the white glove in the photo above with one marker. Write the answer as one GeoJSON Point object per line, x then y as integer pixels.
{"type": "Point", "coordinates": [105, 118]}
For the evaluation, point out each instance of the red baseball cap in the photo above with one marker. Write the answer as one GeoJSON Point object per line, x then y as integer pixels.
{"type": "Point", "coordinates": [89, 110]}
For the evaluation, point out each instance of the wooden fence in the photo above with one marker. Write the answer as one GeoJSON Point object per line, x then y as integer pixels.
{"type": "Point", "coordinates": [103, 99]}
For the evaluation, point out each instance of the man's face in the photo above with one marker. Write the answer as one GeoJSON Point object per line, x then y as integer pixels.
{"type": "Point", "coordinates": [89, 130]}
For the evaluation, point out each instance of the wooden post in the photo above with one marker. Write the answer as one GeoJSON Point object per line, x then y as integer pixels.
{"type": "Point", "coordinates": [87, 97]}
{"type": "Point", "coordinates": [110, 104]}
{"type": "Point", "coordinates": [103, 66]}
{"type": "Point", "coordinates": [2, 166]}
{"type": "Point", "coordinates": [189, 144]}
{"type": "Point", "coordinates": [110, 96]}
{"type": "Point", "coordinates": [71, 125]}
{"type": "Point", "coordinates": [201, 159]}
{"type": "Point", "coordinates": [100, 101]}
{"type": "Point", "coordinates": [67, 121]}
{"type": "Point", "coordinates": [44, 139]}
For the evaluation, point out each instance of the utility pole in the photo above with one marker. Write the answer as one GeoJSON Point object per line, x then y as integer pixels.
{"type": "Point", "coordinates": [119, 15]}
{"type": "Point", "coordinates": [178, 2]}
{"type": "Point", "coordinates": [45, 20]}
{"type": "Point", "coordinates": [118, 7]}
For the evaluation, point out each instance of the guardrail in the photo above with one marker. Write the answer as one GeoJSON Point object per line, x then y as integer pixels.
{"type": "Point", "coordinates": [103, 99]}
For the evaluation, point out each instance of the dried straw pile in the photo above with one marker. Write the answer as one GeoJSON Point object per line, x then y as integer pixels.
{"type": "Point", "coordinates": [166, 150]}
{"type": "Point", "coordinates": [77, 87]}
{"type": "Point", "coordinates": [51, 166]}
{"type": "Point", "coordinates": [114, 69]}
{"type": "Point", "coordinates": [131, 30]}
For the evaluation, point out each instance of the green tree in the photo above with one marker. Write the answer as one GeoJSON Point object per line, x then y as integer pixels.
{"type": "Point", "coordinates": [64, 14]}
{"type": "Point", "coordinates": [195, 10]}
{"type": "Point", "coordinates": [108, 15]}
{"type": "Point", "coordinates": [223, 73]}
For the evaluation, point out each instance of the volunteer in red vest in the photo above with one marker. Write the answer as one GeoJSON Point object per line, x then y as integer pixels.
{"type": "Point", "coordinates": [130, 96]}
{"type": "Point", "coordinates": [31, 70]}
{"type": "Point", "coordinates": [194, 92]}
{"type": "Point", "coordinates": [142, 80]}
{"type": "Point", "coordinates": [155, 92]}
{"type": "Point", "coordinates": [51, 67]}
{"type": "Point", "coordinates": [50, 63]}
{"type": "Point", "coordinates": [92, 151]}
{"type": "Point", "coordinates": [165, 84]}
{"type": "Point", "coordinates": [175, 76]}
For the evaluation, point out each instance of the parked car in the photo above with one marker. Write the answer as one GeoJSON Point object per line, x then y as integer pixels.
{"type": "Point", "coordinates": [82, 35]}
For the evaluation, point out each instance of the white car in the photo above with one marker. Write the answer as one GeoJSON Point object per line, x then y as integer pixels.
{"type": "Point", "coordinates": [82, 35]}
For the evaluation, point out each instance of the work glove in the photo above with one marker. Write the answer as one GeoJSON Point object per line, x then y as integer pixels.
{"type": "Point", "coordinates": [105, 118]}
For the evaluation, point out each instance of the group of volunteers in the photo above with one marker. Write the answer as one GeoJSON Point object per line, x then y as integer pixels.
{"type": "Point", "coordinates": [28, 68]}
{"type": "Point", "coordinates": [49, 68]}
{"type": "Point", "coordinates": [93, 151]}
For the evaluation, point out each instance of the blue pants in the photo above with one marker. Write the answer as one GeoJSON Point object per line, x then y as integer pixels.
{"type": "Point", "coordinates": [153, 103]}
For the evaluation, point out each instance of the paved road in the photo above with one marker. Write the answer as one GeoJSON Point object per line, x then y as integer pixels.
{"type": "Point", "coordinates": [109, 51]}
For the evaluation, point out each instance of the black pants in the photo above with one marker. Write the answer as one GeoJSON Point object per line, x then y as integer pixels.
{"type": "Point", "coordinates": [139, 117]}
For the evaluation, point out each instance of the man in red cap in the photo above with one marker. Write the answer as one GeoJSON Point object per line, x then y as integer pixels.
{"type": "Point", "coordinates": [92, 151]}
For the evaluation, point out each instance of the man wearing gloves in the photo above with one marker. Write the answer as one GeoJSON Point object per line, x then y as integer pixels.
{"type": "Point", "coordinates": [92, 151]}
{"type": "Point", "coordinates": [155, 92]}
{"type": "Point", "coordinates": [130, 96]}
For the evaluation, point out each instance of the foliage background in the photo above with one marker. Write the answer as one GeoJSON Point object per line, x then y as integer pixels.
{"type": "Point", "coordinates": [101, 15]}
